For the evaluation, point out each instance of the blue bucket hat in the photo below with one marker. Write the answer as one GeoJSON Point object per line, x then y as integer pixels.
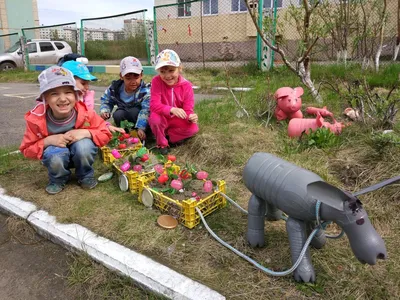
{"type": "Point", "coordinates": [78, 69]}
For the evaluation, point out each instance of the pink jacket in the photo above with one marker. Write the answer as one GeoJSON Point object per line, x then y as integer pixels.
{"type": "Point", "coordinates": [32, 145]}
{"type": "Point", "coordinates": [164, 97]}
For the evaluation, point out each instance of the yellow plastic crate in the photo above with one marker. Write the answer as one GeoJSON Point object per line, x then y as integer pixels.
{"type": "Point", "coordinates": [108, 158]}
{"type": "Point", "coordinates": [185, 210]}
{"type": "Point", "coordinates": [133, 178]}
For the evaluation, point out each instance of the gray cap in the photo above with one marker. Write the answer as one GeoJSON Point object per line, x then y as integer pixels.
{"type": "Point", "coordinates": [55, 76]}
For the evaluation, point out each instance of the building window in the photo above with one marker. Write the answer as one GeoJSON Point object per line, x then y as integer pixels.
{"type": "Point", "coordinates": [184, 8]}
{"type": "Point", "coordinates": [210, 7]}
{"type": "Point", "coordinates": [238, 5]}
{"type": "Point", "coordinates": [270, 3]}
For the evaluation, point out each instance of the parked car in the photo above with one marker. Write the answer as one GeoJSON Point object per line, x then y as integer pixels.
{"type": "Point", "coordinates": [40, 52]}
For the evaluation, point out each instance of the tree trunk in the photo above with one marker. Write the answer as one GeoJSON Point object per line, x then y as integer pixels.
{"type": "Point", "coordinates": [341, 56]}
{"type": "Point", "coordinates": [304, 73]}
{"type": "Point", "coordinates": [396, 49]}
{"type": "Point", "coordinates": [377, 56]}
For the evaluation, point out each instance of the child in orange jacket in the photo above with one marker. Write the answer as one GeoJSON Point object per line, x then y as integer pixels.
{"type": "Point", "coordinates": [62, 132]}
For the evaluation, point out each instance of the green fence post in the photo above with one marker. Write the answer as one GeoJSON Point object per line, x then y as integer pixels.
{"type": "Point", "coordinates": [259, 40]}
{"type": "Point", "coordinates": [82, 38]}
{"type": "Point", "coordinates": [155, 30]}
{"type": "Point", "coordinates": [147, 38]}
{"type": "Point", "coordinates": [273, 33]}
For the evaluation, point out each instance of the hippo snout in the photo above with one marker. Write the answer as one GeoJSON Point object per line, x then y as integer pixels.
{"type": "Point", "coordinates": [372, 260]}
{"type": "Point", "coordinates": [366, 243]}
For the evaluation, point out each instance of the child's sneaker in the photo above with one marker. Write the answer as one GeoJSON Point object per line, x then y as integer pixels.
{"type": "Point", "coordinates": [54, 188]}
{"type": "Point", "coordinates": [88, 183]}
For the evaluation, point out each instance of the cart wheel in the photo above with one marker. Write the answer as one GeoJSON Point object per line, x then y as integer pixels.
{"type": "Point", "coordinates": [123, 183]}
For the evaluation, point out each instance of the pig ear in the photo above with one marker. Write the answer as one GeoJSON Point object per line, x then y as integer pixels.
{"type": "Point", "coordinates": [327, 194]}
{"type": "Point", "coordinates": [320, 120]}
{"type": "Point", "coordinates": [299, 91]}
{"type": "Point", "coordinates": [281, 92]}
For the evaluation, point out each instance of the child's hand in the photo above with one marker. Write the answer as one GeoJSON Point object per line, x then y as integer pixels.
{"type": "Point", "coordinates": [77, 134]}
{"type": "Point", "coordinates": [193, 118]}
{"type": "Point", "coordinates": [105, 115]}
{"type": "Point", "coordinates": [115, 129]}
{"type": "Point", "coordinates": [179, 112]}
{"type": "Point", "coordinates": [141, 134]}
{"type": "Point", "coordinates": [58, 140]}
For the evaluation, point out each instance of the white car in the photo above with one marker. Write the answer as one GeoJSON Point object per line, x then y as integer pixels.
{"type": "Point", "coordinates": [40, 52]}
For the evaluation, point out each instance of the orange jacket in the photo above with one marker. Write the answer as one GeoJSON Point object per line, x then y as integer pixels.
{"type": "Point", "coordinates": [32, 145]}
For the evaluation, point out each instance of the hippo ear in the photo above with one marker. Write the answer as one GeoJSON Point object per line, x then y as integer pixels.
{"type": "Point", "coordinates": [327, 194]}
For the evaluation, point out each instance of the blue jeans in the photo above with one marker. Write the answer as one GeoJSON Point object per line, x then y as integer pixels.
{"type": "Point", "coordinates": [79, 155]}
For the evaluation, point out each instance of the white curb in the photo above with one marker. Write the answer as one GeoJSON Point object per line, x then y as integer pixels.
{"type": "Point", "coordinates": [143, 270]}
{"type": "Point", "coordinates": [15, 206]}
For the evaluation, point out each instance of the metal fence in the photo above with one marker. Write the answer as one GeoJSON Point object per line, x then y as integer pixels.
{"type": "Point", "coordinates": [59, 32]}
{"type": "Point", "coordinates": [206, 33]}
{"type": "Point", "coordinates": [8, 40]}
{"type": "Point", "coordinates": [111, 38]}
{"type": "Point", "coordinates": [346, 30]}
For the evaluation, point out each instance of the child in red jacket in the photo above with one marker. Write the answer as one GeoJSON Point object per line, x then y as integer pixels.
{"type": "Point", "coordinates": [171, 102]}
{"type": "Point", "coordinates": [62, 132]}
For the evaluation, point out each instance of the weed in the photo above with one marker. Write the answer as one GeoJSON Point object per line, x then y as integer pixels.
{"type": "Point", "coordinates": [321, 138]}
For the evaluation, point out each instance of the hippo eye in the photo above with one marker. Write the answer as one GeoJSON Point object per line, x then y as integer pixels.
{"type": "Point", "coordinates": [360, 221]}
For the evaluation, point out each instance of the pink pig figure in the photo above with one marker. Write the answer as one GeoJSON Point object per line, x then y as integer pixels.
{"type": "Point", "coordinates": [88, 99]}
{"type": "Point", "coordinates": [288, 103]}
{"type": "Point", "coordinates": [297, 126]}
{"type": "Point", "coordinates": [323, 111]}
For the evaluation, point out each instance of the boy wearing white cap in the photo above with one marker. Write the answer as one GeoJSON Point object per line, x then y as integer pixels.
{"type": "Point", "coordinates": [130, 94]}
{"type": "Point", "coordinates": [62, 132]}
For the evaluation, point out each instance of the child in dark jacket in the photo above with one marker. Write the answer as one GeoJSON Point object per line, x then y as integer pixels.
{"type": "Point", "coordinates": [172, 102]}
{"type": "Point", "coordinates": [130, 94]}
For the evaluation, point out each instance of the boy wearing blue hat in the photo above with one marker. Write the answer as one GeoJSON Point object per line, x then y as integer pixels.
{"type": "Point", "coordinates": [83, 78]}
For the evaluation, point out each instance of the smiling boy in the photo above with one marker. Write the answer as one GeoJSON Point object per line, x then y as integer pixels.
{"type": "Point", "coordinates": [62, 132]}
{"type": "Point", "coordinates": [131, 95]}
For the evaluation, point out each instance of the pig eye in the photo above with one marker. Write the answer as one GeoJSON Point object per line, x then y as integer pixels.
{"type": "Point", "coordinates": [360, 221]}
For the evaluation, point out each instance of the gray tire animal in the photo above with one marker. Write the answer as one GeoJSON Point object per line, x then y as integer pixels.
{"type": "Point", "coordinates": [277, 185]}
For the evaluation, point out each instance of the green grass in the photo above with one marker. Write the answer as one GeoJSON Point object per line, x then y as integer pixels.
{"type": "Point", "coordinates": [96, 282]}
{"type": "Point", "coordinates": [362, 156]}
{"type": "Point", "coordinates": [105, 50]}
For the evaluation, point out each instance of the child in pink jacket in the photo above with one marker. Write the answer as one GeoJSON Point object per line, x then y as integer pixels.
{"type": "Point", "coordinates": [171, 103]}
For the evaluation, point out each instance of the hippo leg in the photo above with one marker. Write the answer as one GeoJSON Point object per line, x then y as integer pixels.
{"type": "Point", "coordinates": [296, 230]}
{"type": "Point", "coordinates": [273, 213]}
{"type": "Point", "coordinates": [255, 221]}
{"type": "Point", "coordinates": [319, 239]}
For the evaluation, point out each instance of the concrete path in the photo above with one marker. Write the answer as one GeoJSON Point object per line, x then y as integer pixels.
{"type": "Point", "coordinates": [31, 267]}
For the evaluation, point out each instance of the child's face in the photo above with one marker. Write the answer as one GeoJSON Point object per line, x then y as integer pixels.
{"type": "Point", "coordinates": [61, 101]}
{"type": "Point", "coordinates": [82, 84]}
{"type": "Point", "coordinates": [131, 81]}
{"type": "Point", "coordinates": [169, 74]}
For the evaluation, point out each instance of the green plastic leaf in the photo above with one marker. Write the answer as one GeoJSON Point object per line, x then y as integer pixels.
{"type": "Point", "coordinates": [142, 151]}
